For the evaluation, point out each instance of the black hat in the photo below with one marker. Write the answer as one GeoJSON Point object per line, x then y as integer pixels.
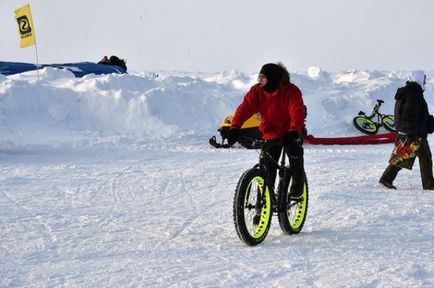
{"type": "Point", "coordinates": [274, 74]}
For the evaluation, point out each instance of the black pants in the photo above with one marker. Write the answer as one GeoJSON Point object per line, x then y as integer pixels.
{"type": "Point", "coordinates": [425, 164]}
{"type": "Point", "coordinates": [295, 155]}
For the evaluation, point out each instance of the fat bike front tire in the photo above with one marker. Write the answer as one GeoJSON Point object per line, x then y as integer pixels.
{"type": "Point", "coordinates": [388, 123]}
{"type": "Point", "coordinates": [252, 209]}
{"type": "Point", "coordinates": [292, 213]}
{"type": "Point", "coordinates": [365, 125]}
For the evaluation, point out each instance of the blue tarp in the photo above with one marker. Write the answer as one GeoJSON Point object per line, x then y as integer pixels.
{"type": "Point", "coordinates": [78, 69]}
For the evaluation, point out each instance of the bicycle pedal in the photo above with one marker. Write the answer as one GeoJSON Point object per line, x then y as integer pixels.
{"type": "Point", "coordinates": [295, 200]}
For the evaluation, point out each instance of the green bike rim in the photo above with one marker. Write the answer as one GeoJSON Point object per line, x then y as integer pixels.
{"type": "Point", "coordinates": [257, 231]}
{"type": "Point", "coordinates": [389, 121]}
{"type": "Point", "coordinates": [366, 124]}
{"type": "Point", "coordinates": [297, 212]}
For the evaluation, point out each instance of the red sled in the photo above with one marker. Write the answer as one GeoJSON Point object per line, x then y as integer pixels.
{"type": "Point", "coordinates": [352, 140]}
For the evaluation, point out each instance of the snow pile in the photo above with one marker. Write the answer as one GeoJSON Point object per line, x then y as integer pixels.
{"type": "Point", "coordinates": [137, 106]}
{"type": "Point", "coordinates": [170, 105]}
{"type": "Point", "coordinates": [316, 73]}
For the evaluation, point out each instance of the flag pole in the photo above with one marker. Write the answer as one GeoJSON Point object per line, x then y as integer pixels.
{"type": "Point", "coordinates": [23, 16]}
{"type": "Point", "coordinates": [37, 60]}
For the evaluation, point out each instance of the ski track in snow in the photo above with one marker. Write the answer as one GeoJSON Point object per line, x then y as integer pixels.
{"type": "Point", "coordinates": [163, 218]}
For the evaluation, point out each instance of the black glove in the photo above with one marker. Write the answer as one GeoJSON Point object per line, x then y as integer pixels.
{"type": "Point", "coordinates": [233, 135]}
{"type": "Point", "coordinates": [291, 138]}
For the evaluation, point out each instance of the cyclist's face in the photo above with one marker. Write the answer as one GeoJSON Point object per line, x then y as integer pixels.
{"type": "Point", "coordinates": [262, 80]}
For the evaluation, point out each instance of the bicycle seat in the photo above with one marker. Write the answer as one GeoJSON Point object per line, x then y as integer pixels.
{"type": "Point", "coordinates": [361, 113]}
{"type": "Point", "coordinates": [380, 101]}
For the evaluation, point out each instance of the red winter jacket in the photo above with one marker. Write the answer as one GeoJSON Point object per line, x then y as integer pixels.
{"type": "Point", "coordinates": [281, 111]}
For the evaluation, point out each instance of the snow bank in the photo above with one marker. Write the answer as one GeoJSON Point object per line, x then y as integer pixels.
{"type": "Point", "coordinates": [168, 105]}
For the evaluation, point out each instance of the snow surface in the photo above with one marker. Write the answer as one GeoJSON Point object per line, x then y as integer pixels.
{"type": "Point", "coordinates": [109, 181]}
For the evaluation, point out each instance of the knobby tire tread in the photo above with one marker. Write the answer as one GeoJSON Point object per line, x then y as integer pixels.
{"type": "Point", "coordinates": [238, 208]}
{"type": "Point", "coordinates": [361, 128]}
{"type": "Point", "coordinates": [282, 213]}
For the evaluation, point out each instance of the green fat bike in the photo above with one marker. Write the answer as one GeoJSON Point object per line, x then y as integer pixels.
{"type": "Point", "coordinates": [255, 201]}
{"type": "Point", "coordinates": [370, 124]}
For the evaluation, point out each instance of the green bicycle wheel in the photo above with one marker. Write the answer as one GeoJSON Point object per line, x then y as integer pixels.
{"type": "Point", "coordinates": [365, 125]}
{"type": "Point", "coordinates": [252, 207]}
{"type": "Point", "coordinates": [389, 123]}
{"type": "Point", "coordinates": [292, 214]}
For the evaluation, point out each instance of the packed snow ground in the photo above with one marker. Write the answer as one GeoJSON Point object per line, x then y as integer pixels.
{"type": "Point", "coordinates": [108, 181]}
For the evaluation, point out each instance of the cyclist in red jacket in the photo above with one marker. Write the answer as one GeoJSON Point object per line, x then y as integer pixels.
{"type": "Point", "coordinates": [280, 104]}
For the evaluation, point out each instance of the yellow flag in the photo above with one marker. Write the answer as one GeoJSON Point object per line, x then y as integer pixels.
{"type": "Point", "coordinates": [25, 26]}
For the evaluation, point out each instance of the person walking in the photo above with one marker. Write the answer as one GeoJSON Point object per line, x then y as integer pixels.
{"type": "Point", "coordinates": [413, 123]}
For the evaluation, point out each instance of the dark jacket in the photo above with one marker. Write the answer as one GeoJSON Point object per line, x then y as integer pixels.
{"type": "Point", "coordinates": [411, 110]}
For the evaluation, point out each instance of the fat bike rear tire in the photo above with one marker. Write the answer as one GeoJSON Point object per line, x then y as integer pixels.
{"type": "Point", "coordinates": [252, 208]}
{"type": "Point", "coordinates": [292, 214]}
{"type": "Point", "coordinates": [365, 125]}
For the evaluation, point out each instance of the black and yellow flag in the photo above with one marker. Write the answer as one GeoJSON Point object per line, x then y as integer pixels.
{"type": "Point", "coordinates": [25, 26]}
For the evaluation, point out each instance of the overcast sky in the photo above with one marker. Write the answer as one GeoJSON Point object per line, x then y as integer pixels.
{"type": "Point", "coordinates": [204, 35]}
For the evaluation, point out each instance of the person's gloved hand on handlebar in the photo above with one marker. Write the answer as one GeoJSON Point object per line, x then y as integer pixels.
{"type": "Point", "coordinates": [291, 138]}
{"type": "Point", "coordinates": [233, 136]}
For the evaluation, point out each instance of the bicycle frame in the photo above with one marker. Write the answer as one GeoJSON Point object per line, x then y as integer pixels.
{"type": "Point", "coordinates": [283, 172]}
{"type": "Point", "coordinates": [376, 112]}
